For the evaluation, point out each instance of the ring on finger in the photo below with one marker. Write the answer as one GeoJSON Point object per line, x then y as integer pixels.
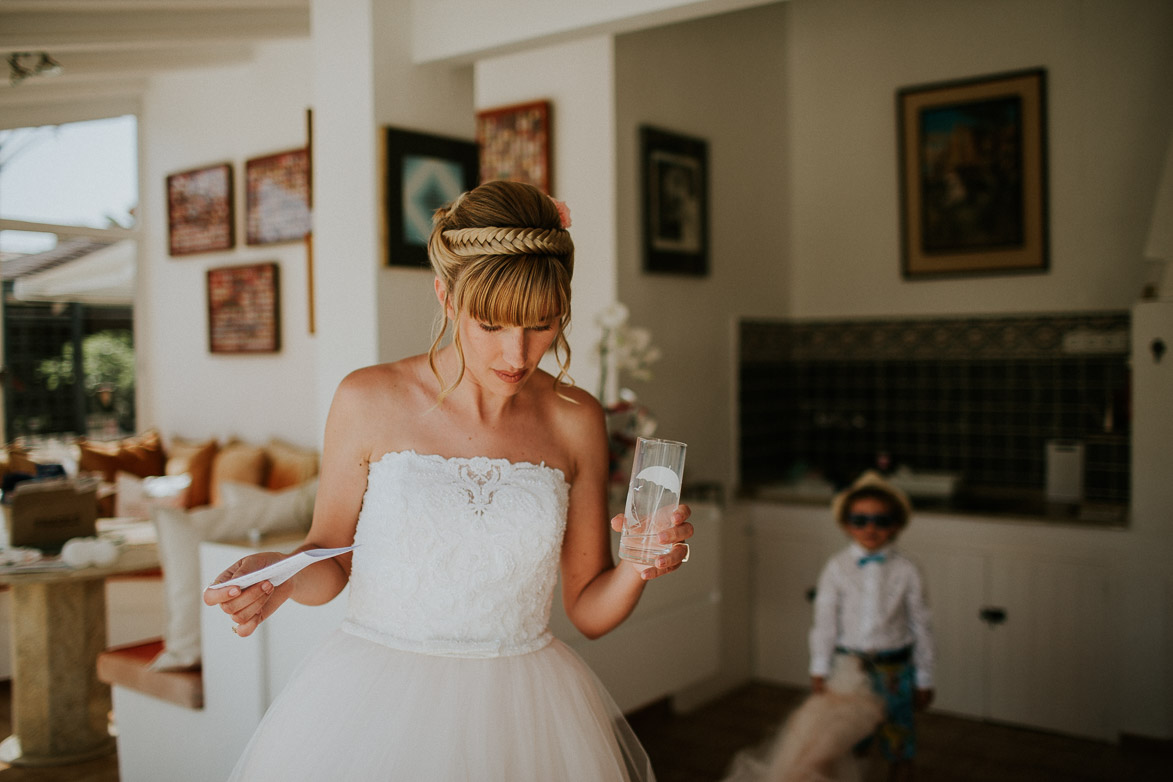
{"type": "Point", "coordinates": [687, 553]}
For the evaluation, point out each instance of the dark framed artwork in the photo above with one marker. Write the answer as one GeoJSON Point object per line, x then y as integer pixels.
{"type": "Point", "coordinates": [277, 197]}
{"type": "Point", "coordinates": [200, 215]}
{"type": "Point", "coordinates": [514, 143]}
{"type": "Point", "coordinates": [674, 170]}
{"type": "Point", "coordinates": [973, 176]}
{"type": "Point", "coordinates": [244, 313]}
{"type": "Point", "coordinates": [423, 173]}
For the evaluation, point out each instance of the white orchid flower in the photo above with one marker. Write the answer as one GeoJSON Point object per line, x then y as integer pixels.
{"type": "Point", "coordinates": [612, 316]}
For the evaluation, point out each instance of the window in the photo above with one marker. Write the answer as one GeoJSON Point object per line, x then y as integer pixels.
{"type": "Point", "coordinates": [67, 194]}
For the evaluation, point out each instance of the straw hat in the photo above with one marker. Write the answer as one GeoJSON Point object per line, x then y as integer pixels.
{"type": "Point", "coordinates": [873, 482]}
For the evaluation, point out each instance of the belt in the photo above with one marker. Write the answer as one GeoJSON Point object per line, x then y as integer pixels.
{"type": "Point", "coordinates": [889, 656]}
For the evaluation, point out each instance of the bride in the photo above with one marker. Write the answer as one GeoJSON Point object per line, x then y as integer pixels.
{"type": "Point", "coordinates": [468, 478]}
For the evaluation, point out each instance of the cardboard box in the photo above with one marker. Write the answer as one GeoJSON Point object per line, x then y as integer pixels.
{"type": "Point", "coordinates": [45, 514]}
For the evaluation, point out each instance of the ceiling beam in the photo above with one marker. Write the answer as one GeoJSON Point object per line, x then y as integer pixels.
{"type": "Point", "coordinates": [89, 65]}
{"type": "Point", "coordinates": [58, 33]}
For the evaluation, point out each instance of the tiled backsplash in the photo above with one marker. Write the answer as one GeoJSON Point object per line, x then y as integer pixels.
{"type": "Point", "coordinates": [976, 396]}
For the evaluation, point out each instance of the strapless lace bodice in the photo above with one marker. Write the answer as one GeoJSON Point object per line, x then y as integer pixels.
{"type": "Point", "coordinates": [457, 556]}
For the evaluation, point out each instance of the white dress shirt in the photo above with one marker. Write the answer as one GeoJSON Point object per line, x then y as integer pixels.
{"type": "Point", "coordinates": [874, 607]}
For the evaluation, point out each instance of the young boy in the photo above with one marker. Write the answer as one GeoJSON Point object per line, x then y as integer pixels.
{"type": "Point", "coordinates": [871, 603]}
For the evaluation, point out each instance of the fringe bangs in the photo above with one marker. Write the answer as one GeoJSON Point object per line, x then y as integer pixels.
{"type": "Point", "coordinates": [509, 290]}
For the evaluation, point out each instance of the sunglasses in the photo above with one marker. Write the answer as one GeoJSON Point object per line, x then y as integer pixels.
{"type": "Point", "coordinates": [881, 520]}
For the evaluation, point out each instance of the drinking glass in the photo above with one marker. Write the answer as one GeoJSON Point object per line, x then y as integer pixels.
{"type": "Point", "coordinates": [652, 496]}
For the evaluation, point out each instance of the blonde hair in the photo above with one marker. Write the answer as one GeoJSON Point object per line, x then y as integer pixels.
{"type": "Point", "coordinates": [503, 257]}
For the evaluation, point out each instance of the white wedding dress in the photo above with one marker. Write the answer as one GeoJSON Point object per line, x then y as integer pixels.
{"type": "Point", "coordinates": [443, 668]}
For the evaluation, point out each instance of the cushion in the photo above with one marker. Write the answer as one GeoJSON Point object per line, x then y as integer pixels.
{"type": "Point", "coordinates": [289, 465]}
{"type": "Point", "coordinates": [180, 533]}
{"type": "Point", "coordinates": [129, 500]}
{"type": "Point", "coordinates": [135, 497]}
{"type": "Point", "coordinates": [237, 462]}
{"type": "Point", "coordinates": [194, 458]}
{"type": "Point", "coordinates": [142, 455]}
{"type": "Point", "coordinates": [20, 461]}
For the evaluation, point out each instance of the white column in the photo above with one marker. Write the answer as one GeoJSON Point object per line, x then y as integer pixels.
{"type": "Point", "coordinates": [345, 161]}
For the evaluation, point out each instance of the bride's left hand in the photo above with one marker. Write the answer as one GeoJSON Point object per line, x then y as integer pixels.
{"type": "Point", "coordinates": [680, 531]}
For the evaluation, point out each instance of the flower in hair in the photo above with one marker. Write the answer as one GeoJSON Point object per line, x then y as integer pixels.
{"type": "Point", "coordinates": [563, 212]}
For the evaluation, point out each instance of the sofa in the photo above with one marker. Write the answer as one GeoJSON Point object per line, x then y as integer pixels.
{"type": "Point", "coordinates": [192, 490]}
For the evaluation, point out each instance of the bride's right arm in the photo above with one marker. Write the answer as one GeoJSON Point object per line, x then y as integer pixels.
{"type": "Point", "coordinates": [341, 483]}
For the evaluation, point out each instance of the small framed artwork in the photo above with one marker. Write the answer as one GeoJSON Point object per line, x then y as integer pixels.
{"type": "Point", "coordinates": [244, 309]}
{"type": "Point", "coordinates": [674, 171]}
{"type": "Point", "coordinates": [277, 197]}
{"type": "Point", "coordinates": [973, 176]}
{"type": "Point", "coordinates": [200, 216]}
{"type": "Point", "coordinates": [423, 173]}
{"type": "Point", "coordinates": [514, 143]}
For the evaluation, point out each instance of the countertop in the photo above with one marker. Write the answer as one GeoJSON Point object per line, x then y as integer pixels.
{"type": "Point", "coordinates": [978, 501]}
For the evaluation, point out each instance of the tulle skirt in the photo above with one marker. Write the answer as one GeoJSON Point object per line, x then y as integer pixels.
{"type": "Point", "coordinates": [358, 710]}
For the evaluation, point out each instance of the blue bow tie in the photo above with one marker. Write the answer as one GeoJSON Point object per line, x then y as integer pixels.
{"type": "Point", "coordinates": [877, 557]}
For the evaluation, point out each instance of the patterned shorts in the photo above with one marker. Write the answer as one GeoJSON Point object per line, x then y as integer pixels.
{"type": "Point", "coordinates": [895, 683]}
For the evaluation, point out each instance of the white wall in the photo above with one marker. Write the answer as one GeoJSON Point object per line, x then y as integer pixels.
{"type": "Point", "coordinates": [193, 119]}
{"type": "Point", "coordinates": [1109, 70]}
{"type": "Point", "coordinates": [721, 79]}
{"type": "Point", "coordinates": [578, 80]}
{"type": "Point", "coordinates": [346, 195]}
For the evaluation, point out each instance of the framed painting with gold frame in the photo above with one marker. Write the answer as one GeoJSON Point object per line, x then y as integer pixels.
{"type": "Point", "coordinates": [973, 176]}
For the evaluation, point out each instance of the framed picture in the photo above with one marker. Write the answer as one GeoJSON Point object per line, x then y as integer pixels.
{"type": "Point", "coordinates": [277, 197]}
{"type": "Point", "coordinates": [674, 170]}
{"type": "Point", "coordinates": [514, 143]}
{"type": "Point", "coordinates": [200, 217]}
{"type": "Point", "coordinates": [244, 309]}
{"type": "Point", "coordinates": [973, 176]}
{"type": "Point", "coordinates": [423, 173]}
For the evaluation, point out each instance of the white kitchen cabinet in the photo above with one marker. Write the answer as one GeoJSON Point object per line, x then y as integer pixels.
{"type": "Point", "coordinates": [956, 583]}
{"type": "Point", "coordinates": [1047, 665]}
{"type": "Point", "coordinates": [785, 569]}
{"type": "Point", "coordinates": [1023, 638]}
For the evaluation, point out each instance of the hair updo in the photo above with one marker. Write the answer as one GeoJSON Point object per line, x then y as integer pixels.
{"type": "Point", "coordinates": [503, 257]}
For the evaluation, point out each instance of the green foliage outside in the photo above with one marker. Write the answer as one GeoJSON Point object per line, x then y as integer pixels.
{"type": "Point", "coordinates": [107, 364]}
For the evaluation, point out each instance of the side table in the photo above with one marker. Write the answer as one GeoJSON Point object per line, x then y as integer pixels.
{"type": "Point", "coordinates": [60, 710]}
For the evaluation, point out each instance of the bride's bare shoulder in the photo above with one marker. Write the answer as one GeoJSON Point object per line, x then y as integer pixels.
{"type": "Point", "coordinates": [395, 379]}
{"type": "Point", "coordinates": [574, 411]}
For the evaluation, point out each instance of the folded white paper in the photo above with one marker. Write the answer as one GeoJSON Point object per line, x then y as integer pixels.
{"type": "Point", "coordinates": [280, 572]}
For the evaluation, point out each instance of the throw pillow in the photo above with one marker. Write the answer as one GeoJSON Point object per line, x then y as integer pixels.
{"type": "Point", "coordinates": [237, 462]}
{"type": "Point", "coordinates": [20, 461]}
{"type": "Point", "coordinates": [135, 497]}
{"type": "Point", "coordinates": [129, 500]}
{"type": "Point", "coordinates": [141, 455]}
{"type": "Point", "coordinates": [271, 510]}
{"type": "Point", "coordinates": [289, 465]}
{"type": "Point", "coordinates": [180, 533]}
{"type": "Point", "coordinates": [194, 458]}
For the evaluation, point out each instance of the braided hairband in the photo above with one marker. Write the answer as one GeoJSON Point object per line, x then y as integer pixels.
{"type": "Point", "coordinates": [508, 241]}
